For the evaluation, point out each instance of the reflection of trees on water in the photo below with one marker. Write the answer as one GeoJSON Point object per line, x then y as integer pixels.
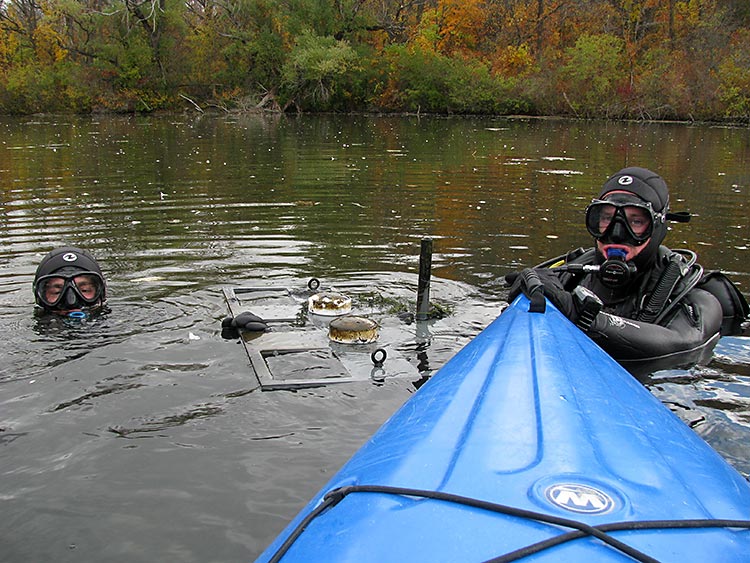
{"type": "Point", "coordinates": [330, 194]}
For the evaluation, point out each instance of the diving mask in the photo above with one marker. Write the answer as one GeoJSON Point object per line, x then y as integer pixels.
{"type": "Point", "coordinates": [622, 219]}
{"type": "Point", "coordinates": [65, 291]}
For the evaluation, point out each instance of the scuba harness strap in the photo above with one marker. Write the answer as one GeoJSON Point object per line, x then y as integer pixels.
{"type": "Point", "coordinates": [680, 276]}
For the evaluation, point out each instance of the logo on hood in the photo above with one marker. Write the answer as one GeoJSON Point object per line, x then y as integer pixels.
{"type": "Point", "coordinates": [625, 180]}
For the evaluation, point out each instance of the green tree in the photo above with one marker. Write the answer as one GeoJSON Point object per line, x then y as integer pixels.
{"type": "Point", "coordinates": [593, 74]}
{"type": "Point", "coordinates": [317, 71]}
{"type": "Point", "coordinates": [734, 76]}
{"type": "Point", "coordinates": [425, 81]}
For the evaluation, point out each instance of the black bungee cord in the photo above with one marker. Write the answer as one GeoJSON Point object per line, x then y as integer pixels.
{"type": "Point", "coordinates": [581, 529]}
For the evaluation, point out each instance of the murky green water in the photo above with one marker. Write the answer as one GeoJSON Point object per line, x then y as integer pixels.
{"type": "Point", "coordinates": [138, 436]}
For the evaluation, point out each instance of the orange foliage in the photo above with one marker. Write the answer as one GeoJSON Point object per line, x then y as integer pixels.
{"type": "Point", "coordinates": [512, 61]}
{"type": "Point", "coordinates": [451, 27]}
{"type": "Point", "coordinates": [461, 20]}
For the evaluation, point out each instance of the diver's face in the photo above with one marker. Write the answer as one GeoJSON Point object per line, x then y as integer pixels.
{"type": "Point", "coordinates": [638, 221]}
{"type": "Point", "coordinates": [65, 294]}
{"type": "Point", "coordinates": [621, 220]}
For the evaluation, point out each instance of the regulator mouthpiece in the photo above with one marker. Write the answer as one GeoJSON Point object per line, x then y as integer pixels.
{"type": "Point", "coordinates": [616, 272]}
{"type": "Point", "coordinates": [616, 253]}
{"type": "Point", "coordinates": [78, 315]}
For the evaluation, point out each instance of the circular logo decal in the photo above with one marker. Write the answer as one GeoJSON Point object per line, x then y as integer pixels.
{"type": "Point", "coordinates": [579, 498]}
{"type": "Point", "coordinates": [625, 180]}
{"type": "Point", "coordinates": [70, 257]}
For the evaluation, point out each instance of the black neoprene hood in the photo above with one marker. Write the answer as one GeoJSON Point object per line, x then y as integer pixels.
{"type": "Point", "coordinates": [644, 183]}
{"type": "Point", "coordinates": [651, 188]}
{"type": "Point", "coordinates": [67, 257]}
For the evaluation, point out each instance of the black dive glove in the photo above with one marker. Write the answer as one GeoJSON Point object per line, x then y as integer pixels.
{"type": "Point", "coordinates": [581, 306]}
{"type": "Point", "coordinates": [246, 321]}
{"type": "Point", "coordinates": [548, 282]}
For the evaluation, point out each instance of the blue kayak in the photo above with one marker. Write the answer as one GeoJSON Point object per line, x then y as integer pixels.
{"type": "Point", "coordinates": [530, 444]}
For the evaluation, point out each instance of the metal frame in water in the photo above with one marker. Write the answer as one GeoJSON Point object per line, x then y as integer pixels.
{"type": "Point", "coordinates": [296, 351]}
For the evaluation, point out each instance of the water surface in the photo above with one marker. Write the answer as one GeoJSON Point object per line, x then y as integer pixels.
{"type": "Point", "coordinates": [140, 435]}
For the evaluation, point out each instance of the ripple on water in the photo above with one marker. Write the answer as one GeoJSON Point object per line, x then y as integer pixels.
{"type": "Point", "coordinates": [140, 435]}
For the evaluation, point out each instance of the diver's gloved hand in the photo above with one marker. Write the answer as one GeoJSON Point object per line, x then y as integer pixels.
{"type": "Point", "coordinates": [556, 293]}
{"type": "Point", "coordinates": [522, 282]}
{"type": "Point", "coordinates": [515, 282]}
{"type": "Point", "coordinates": [551, 286]}
{"type": "Point", "coordinates": [247, 321]}
{"type": "Point", "coordinates": [230, 326]}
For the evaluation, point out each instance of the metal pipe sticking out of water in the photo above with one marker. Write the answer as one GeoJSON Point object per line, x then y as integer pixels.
{"type": "Point", "coordinates": [423, 287]}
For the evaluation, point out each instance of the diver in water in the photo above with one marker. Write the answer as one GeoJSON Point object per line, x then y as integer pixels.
{"type": "Point", "coordinates": [649, 307]}
{"type": "Point", "coordinates": [69, 282]}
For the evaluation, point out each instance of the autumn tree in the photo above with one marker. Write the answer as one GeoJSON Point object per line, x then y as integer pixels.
{"type": "Point", "coordinates": [451, 27]}
{"type": "Point", "coordinates": [675, 58]}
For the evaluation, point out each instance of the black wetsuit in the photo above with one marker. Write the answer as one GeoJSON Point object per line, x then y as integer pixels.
{"type": "Point", "coordinates": [678, 328]}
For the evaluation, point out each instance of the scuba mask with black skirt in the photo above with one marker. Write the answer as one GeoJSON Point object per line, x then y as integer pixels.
{"type": "Point", "coordinates": [69, 289]}
{"type": "Point", "coordinates": [624, 219]}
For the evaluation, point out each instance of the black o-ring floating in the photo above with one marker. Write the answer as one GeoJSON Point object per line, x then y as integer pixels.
{"type": "Point", "coordinates": [378, 357]}
{"type": "Point", "coordinates": [313, 284]}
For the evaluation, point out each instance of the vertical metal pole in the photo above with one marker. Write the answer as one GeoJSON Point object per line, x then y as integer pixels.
{"type": "Point", "coordinates": [423, 289]}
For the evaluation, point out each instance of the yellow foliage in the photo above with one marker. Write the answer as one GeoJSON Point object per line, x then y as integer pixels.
{"type": "Point", "coordinates": [427, 33]}
{"type": "Point", "coordinates": [48, 45]}
{"type": "Point", "coordinates": [8, 47]}
{"type": "Point", "coordinates": [689, 12]}
{"type": "Point", "coordinates": [511, 61]}
{"type": "Point", "coordinates": [450, 28]}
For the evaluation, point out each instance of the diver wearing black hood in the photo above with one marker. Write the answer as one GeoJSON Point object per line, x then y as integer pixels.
{"type": "Point", "coordinates": [628, 221]}
{"type": "Point", "coordinates": [649, 307]}
{"type": "Point", "coordinates": [69, 281]}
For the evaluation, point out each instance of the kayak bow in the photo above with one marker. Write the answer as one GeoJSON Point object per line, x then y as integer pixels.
{"type": "Point", "coordinates": [530, 443]}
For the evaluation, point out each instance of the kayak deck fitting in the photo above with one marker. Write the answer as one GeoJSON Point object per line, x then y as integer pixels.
{"type": "Point", "coordinates": [531, 443]}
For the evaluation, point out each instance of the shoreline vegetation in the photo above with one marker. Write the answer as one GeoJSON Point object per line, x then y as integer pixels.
{"type": "Point", "coordinates": [643, 60]}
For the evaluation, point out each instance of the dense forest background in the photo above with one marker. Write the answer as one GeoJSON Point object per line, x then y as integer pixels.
{"type": "Point", "coordinates": [642, 59]}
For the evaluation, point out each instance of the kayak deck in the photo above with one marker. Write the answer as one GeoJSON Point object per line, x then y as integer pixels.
{"type": "Point", "coordinates": [532, 417]}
